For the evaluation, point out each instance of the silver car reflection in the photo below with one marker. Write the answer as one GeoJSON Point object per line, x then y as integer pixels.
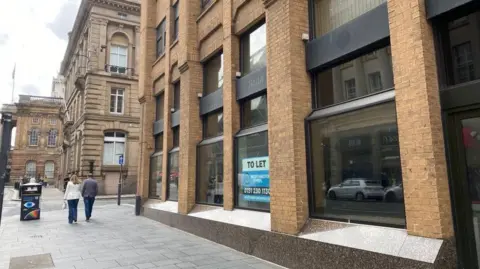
{"type": "Point", "coordinates": [394, 194]}
{"type": "Point", "coordinates": [358, 189]}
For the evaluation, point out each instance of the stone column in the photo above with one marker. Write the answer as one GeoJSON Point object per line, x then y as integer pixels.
{"type": "Point", "coordinates": [147, 104]}
{"type": "Point", "coordinates": [231, 110]}
{"type": "Point", "coordinates": [289, 102]}
{"type": "Point", "coordinates": [427, 199]}
{"type": "Point", "coordinates": [191, 83]}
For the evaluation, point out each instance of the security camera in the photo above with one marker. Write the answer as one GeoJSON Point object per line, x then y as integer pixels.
{"type": "Point", "coordinates": [199, 95]}
{"type": "Point", "coordinates": [305, 37]}
{"type": "Point", "coordinates": [238, 74]}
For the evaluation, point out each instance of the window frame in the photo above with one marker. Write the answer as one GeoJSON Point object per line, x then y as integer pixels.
{"type": "Point", "coordinates": [34, 166]}
{"type": "Point", "coordinates": [35, 131]}
{"type": "Point", "coordinates": [205, 75]}
{"type": "Point", "coordinates": [53, 170]}
{"type": "Point", "coordinates": [116, 95]}
{"type": "Point", "coordinates": [242, 106]}
{"type": "Point", "coordinates": [161, 33]}
{"type": "Point", "coordinates": [52, 134]}
{"type": "Point", "coordinates": [117, 55]}
{"type": "Point", "coordinates": [206, 143]}
{"type": "Point", "coordinates": [176, 137]}
{"type": "Point", "coordinates": [243, 45]}
{"type": "Point", "coordinates": [158, 149]}
{"type": "Point", "coordinates": [176, 21]}
{"type": "Point", "coordinates": [115, 139]}
{"type": "Point", "coordinates": [35, 120]}
{"type": "Point", "coordinates": [159, 113]}
{"type": "Point", "coordinates": [205, 125]}
{"type": "Point", "coordinates": [176, 87]}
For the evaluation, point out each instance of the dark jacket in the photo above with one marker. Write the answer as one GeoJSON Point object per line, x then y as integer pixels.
{"type": "Point", "coordinates": [90, 188]}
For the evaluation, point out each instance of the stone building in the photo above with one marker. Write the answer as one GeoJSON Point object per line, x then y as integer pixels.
{"type": "Point", "coordinates": [58, 87]}
{"type": "Point", "coordinates": [303, 131]}
{"type": "Point", "coordinates": [100, 70]}
{"type": "Point", "coordinates": [38, 137]}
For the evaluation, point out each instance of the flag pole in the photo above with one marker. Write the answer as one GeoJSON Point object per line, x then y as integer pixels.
{"type": "Point", "coordinates": [13, 82]}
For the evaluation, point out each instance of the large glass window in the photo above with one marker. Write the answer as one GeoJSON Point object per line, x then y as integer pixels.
{"type": "Point", "coordinates": [33, 137]}
{"type": "Point", "coordinates": [175, 16]}
{"type": "Point", "coordinates": [331, 14]}
{"type": "Point", "coordinates": [52, 138]}
{"type": "Point", "coordinates": [31, 169]}
{"type": "Point", "coordinates": [159, 100]}
{"type": "Point", "coordinates": [253, 181]}
{"type": "Point", "coordinates": [356, 168]}
{"type": "Point", "coordinates": [364, 75]}
{"type": "Point", "coordinates": [255, 111]}
{"type": "Point", "coordinates": [173, 176]}
{"type": "Point", "coordinates": [213, 74]}
{"type": "Point", "coordinates": [113, 147]}
{"type": "Point", "coordinates": [49, 169]}
{"type": "Point", "coordinates": [213, 124]}
{"type": "Point", "coordinates": [461, 48]}
{"type": "Point", "coordinates": [210, 174]}
{"type": "Point", "coordinates": [254, 53]}
{"type": "Point", "coordinates": [116, 100]}
{"type": "Point", "coordinates": [161, 33]}
{"type": "Point", "coordinates": [118, 58]}
{"type": "Point", "coordinates": [155, 188]}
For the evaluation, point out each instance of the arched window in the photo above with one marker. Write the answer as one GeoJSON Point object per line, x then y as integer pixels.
{"type": "Point", "coordinates": [31, 169]}
{"type": "Point", "coordinates": [33, 137]}
{"type": "Point", "coordinates": [119, 54]}
{"type": "Point", "coordinates": [49, 169]}
{"type": "Point", "coordinates": [52, 138]}
{"type": "Point", "coordinates": [113, 147]}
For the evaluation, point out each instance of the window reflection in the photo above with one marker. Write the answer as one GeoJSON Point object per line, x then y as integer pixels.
{"type": "Point", "coordinates": [173, 176]}
{"type": "Point", "coordinates": [213, 77]}
{"type": "Point", "coordinates": [255, 111]}
{"type": "Point", "coordinates": [356, 166]}
{"type": "Point", "coordinates": [213, 124]}
{"type": "Point", "coordinates": [364, 75]}
{"type": "Point", "coordinates": [331, 14]}
{"type": "Point", "coordinates": [254, 50]}
{"type": "Point", "coordinates": [210, 177]}
{"type": "Point", "coordinates": [155, 190]}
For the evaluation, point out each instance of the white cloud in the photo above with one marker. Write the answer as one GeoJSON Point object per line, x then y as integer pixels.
{"type": "Point", "coordinates": [32, 35]}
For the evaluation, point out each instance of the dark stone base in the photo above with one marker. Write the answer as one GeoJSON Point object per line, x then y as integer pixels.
{"type": "Point", "coordinates": [291, 251]}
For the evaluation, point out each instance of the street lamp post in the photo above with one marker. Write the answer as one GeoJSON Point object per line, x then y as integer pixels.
{"type": "Point", "coordinates": [5, 147]}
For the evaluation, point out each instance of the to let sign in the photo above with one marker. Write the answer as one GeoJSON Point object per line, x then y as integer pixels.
{"type": "Point", "coordinates": [120, 159]}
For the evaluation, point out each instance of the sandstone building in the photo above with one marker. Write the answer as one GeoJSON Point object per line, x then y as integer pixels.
{"type": "Point", "coordinates": [100, 70]}
{"type": "Point", "coordinates": [38, 137]}
{"type": "Point", "coordinates": [303, 131]}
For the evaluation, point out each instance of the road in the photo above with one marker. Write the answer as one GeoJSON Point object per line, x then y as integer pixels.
{"type": "Point", "coordinates": [114, 238]}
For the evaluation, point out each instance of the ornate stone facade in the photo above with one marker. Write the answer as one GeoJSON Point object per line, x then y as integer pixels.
{"type": "Point", "coordinates": [102, 111]}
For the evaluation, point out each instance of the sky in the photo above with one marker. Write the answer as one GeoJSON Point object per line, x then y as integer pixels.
{"type": "Point", "coordinates": [33, 37]}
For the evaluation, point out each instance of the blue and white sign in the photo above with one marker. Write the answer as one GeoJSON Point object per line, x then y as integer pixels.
{"type": "Point", "coordinates": [120, 159]}
{"type": "Point", "coordinates": [256, 180]}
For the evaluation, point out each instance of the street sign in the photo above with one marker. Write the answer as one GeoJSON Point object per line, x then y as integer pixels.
{"type": "Point", "coordinates": [120, 159]}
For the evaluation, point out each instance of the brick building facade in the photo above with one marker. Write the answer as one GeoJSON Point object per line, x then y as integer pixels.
{"type": "Point", "coordinates": [100, 72]}
{"type": "Point", "coordinates": [36, 152]}
{"type": "Point", "coordinates": [316, 126]}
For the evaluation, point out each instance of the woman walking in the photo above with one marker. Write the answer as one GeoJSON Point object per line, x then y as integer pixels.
{"type": "Point", "coordinates": [72, 195]}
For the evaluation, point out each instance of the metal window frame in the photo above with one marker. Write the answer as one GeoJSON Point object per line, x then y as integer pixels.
{"type": "Point", "coordinates": [242, 107]}
{"type": "Point", "coordinates": [205, 63]}
{"type": "Point", "coordinates": [206, 142]}
{"type": "Point", "coordinates": [242, 38]}
{"type": "Point", "coordinates": [205, 125]}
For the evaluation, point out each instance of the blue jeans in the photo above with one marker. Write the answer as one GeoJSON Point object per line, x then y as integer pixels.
{"type": "Point", "coordinates": [88, 206]}
{"type": "Point", "coordinates": [72, 210]}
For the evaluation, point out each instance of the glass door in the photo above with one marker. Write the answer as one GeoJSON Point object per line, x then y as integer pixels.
{"type": "Point", "coordinates": [463, 134]}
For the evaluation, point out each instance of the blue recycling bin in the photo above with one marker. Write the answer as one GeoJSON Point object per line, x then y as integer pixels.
{"type": "Point", "coordinates": [30, 201]}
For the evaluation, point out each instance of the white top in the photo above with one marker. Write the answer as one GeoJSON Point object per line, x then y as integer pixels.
{"type": "Point", "coordinates": [73, 191]}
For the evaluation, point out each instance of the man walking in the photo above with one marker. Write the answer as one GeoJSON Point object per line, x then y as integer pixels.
{"type": "Point", "coordinates": [89, 191]}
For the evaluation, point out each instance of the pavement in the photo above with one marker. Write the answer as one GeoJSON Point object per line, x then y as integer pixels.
{"type": "Point", "coordinates": [114, 238]}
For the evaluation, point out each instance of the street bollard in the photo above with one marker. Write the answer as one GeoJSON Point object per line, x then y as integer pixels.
{"type": "Point", "coordinates": [138, 205]}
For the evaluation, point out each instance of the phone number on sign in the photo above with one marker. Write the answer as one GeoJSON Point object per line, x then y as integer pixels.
{"type": "Point", "coordinates": [262, 191]}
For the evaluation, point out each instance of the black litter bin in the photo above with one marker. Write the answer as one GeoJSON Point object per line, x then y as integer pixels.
{"type": "Point", "coordinates": [30, 201]}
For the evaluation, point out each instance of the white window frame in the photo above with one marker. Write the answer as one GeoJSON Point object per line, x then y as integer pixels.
{"type": "Point", "coordinates": [52, 134]}
{"type": "Point", "coordinates": [375, 78]}
{"type": "Point", "coordinates": [28, 168]}
{"type": "Point", "coordinates": [350, 88]}
{"type": "Point", "coordinates": [31, 137]}
{"type": "Point", "coordinates": [50, 171]}
{"type": "Point", "coordinates": [115, 54]}
{"type": "Point", "coordinates": [116, 140]}
{"type": "Point", "coordinates": [53, 121]}
{"type": "Point", "coordinates": [115, 95]}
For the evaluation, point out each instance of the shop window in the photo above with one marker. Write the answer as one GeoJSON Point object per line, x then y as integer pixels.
{"type": "Point", "coordinates": [254, 53]}
{"type": "Point", "coordinates": [159, 103]}
{"type": "Point", "coordinates": [213, 124]}
{"type": "Point", "coordinates": [173, 176]}
{"type": "Point", "coordinates": [255, 111]}
{"type": "Point", "coordinates": [331, 14]}
{"type": "Point", "coordinates": [252, 177]}
{"type": "Point", "coordinates": [176, 96]}
{"type": "Point", "coordinates": [155, 186]}
{"type": "Point", "coordinates": [213, 74]}
{"type": "Point", "coordinates": [355, 160]}
{"type": "Point", "coordinates": [361, 76]}
{"type": "Point", "coordinates": [210, 174]}
{"type": "Point", "coordinates": [113, 148]}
